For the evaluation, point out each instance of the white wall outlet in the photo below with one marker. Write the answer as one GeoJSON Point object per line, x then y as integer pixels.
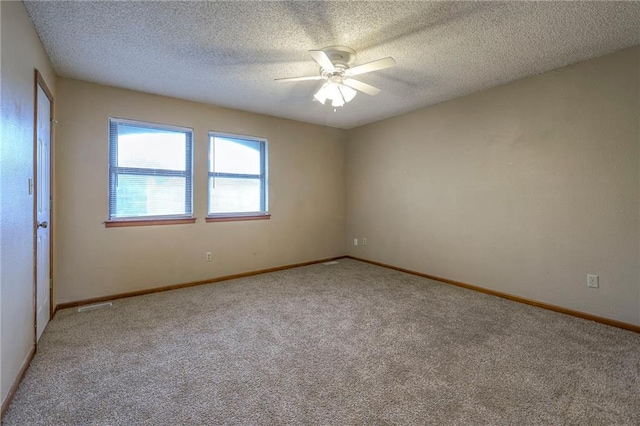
{"type": "Point", "coordinates": [209, 256]}
{"type": "Point", "coordinates": [593, 281]}
{"type": "Point", "coordinates": [364, 241]}
{"type": "Point", "coordinates": [355, 241]}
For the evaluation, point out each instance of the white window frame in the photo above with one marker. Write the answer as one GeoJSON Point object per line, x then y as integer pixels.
{"type": "Point", "coordinates": [264, 177]}
{"type": "Point", "coordinates": [115, 171]}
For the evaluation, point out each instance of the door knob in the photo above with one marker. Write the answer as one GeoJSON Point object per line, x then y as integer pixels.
{"type": "Point", "coordinates": [42, 224]}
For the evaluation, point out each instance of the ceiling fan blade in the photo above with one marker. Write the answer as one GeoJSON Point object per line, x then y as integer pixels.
{"type": "Point", "coordinates": [363, 87]}
{"type": "Point", "coordinates": [322, 59]}
{"type": "Point", "coordinates": [372, 66]}
{"type": "Point", "coordinates": [288, 79]}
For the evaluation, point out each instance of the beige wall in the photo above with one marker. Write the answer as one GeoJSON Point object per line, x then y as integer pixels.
{"type": "Point", "coordinates": [525, 188]}
{"type": "Point", "coordinates": [306, 198]}
{"type": "Point", "coordinates": [21, 53]}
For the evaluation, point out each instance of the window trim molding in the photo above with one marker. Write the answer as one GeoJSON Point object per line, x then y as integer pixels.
{"type": "Point", "coordinates": [237, 217]}
{"type": "Point", "coordinates": [140, 171]}
{"type": "Point", "coordinates": [121, 223]}
{"type": "Point", "coordinates": [263, 178]}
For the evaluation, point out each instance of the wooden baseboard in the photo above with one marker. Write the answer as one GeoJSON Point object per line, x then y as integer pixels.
{"type": "Point", "coordinates": [188, 284]}
{"type": "Point", "coordinates": [16, 383]}
{"type": "Point", "coordinates": [555, 308]}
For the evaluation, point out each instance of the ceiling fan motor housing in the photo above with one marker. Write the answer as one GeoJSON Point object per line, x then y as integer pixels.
{"type": "Point", "coordinates": [341, 56]}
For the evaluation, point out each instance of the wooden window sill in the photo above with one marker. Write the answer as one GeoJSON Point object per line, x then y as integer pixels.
{"type": "Point", "coordinates": [148, 222]}
{"type": "Point", "coordinates": [237, 218]}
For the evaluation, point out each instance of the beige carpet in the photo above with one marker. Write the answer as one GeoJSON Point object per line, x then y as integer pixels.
{"type": "Point", "coordinates": [345, 344]}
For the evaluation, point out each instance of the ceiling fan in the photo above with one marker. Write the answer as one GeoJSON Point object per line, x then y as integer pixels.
{"type": "Point", "coordinates": [335, 68]}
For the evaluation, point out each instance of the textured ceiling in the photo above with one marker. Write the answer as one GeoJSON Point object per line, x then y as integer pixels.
{"type": "Point", "coordinates": [229, 53]}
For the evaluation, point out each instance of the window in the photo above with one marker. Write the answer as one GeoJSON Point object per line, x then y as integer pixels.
{"type": "Point", "coordinates": [237, 177]}
{"type": "Point", "coordinates": [150, 175]}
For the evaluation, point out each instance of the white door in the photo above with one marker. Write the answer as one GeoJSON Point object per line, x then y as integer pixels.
{"type": "Point", "coordinates": [43, 180]}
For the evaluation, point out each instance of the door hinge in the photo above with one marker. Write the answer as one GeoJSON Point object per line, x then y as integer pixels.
{"type": "Point", "coordinates": [54, 122]}
{"type": "Point", "coordinates": [50, 283]}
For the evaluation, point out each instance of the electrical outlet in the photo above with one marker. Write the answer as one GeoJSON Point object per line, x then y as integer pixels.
{"type": "Point", "coordinates": [592, 281]}
{"type": "Point", "coordinates": [209, 257]}
{"type": "Point", "coordinates": [355, 241]}
{"type": "Point", "coordinates": [364, 241]}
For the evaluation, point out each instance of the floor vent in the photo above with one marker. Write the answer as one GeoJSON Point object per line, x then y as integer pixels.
{"type": "Point", "coordinates": [96, 306]}
{"type": "Point", "coordinates": [333, 262]}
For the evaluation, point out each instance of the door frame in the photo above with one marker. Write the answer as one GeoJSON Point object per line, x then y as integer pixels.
{"type": "Point", "coordinates": [40, 83]}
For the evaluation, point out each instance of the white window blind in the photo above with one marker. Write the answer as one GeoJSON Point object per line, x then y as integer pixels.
{"type": "Point", "coordinates": [150, 170]}
{"type": "Point", "coordinates": [237, 175]}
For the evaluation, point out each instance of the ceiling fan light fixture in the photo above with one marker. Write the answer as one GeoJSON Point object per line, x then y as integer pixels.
{"type": "Point", "coordinates": [347, 93]}
{"type": "Point", "coordinates": [335, 68]}
{"type": "Point", "coordinates": [337, 102]}
{"type": "Point", "coordinates": [338, 93]}
{"type": "Point", "coordinates": [321, 96]}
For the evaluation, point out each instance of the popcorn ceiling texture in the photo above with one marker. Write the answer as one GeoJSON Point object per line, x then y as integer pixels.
{"type": "Point", "coordinates": [229, 53]}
